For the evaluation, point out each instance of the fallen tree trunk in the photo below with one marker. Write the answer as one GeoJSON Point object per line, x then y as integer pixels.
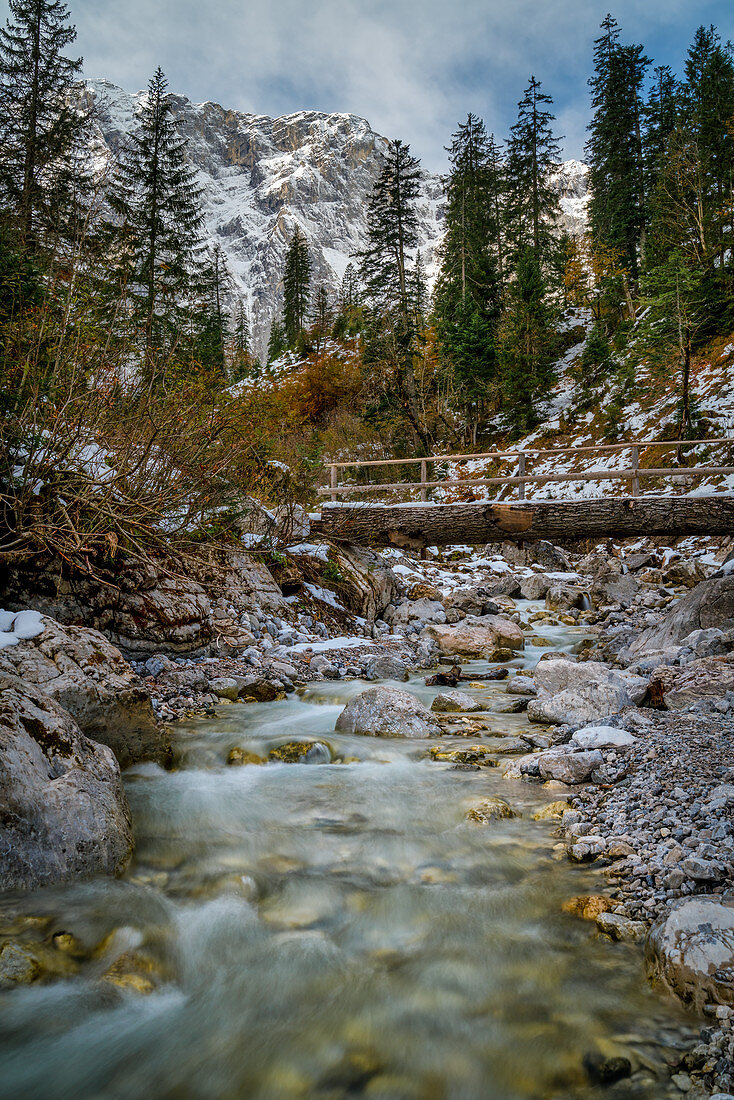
{"type": "Point", "coordinates": [415, 526]}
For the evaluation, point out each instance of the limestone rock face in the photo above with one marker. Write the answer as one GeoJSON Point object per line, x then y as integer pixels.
{"type": "Point", "coordinates": [477, 636]}
{"type": "Point", "coordinates": [691, 949]}
{"type": "Point", "coordinates": [709, 604]}
{"type": "Point", "coordinates": [575, 693]}
{"type": "Point", "coordinates": [64, 811]}
{"type": "Point", "coordinates": [387, 712]}
{"type": "Point", "coordinates": [90, 679]}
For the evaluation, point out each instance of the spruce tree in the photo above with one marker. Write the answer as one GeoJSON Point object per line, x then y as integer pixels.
{"type": "Point", "coordinates": [532, 202]}
{"type": "Point", "coordinates": [467, 296]}
{"type": "Point", "coordinates": [155, 239]}
{"type": "Point", "coordinates": [277, 342]}
{"type": "Point", "coordinates": [296, 287]}
{"type": "Point", "coordinates": [40, 126]}
{"type": "Point", "coordinates": [211, 317]}
{"type": "Point", "coordinates": [385, 272]}
{"type": "Point", "coordinates": [243, 363]}
{"type": "Point", "coordinates": [614, 150]}
{"type": "Point", "coordinates": [528, 344]}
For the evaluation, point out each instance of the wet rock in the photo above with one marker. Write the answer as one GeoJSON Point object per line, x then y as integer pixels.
{"type": "Point", "coordinates": [475, 755]}
{"type": "Point", "coordinates": [619, 927]}
{"type": "Point", "coordinates": [477, 637]}
{"type": "Point", "coordinates": [257, 688]}
{"type": "Point", "coordinates": [65, 814]}
{"type": "Point", "coordinates": [568, 767]}
{"type": "Point", "coordinates": [18, 965]}
{"type": "Point", "coordinates": [238, 757]}
{"type": "Point", "coordinates": [387, 712]}
{"type": "Point", "coordinates": [554, 810]}
{"type": "Point", "coordinates": [301, 752]}
{"type": "Point", "coordinates": [572, 694]}
{"type": "Point", "coordinates": [563, 597]}
{"type": "Point", "coordinates": [522, 685]}
{"type": "Point", "coordinates": [587, 906]}
{"type": "Point", "coordinates": [450, 701]}
{"type": "Point", "coordinates": [386, 667]}
{"type": "Point", "coordinates": [490, 809]}
{"type": "Point", "coordinates": [605, 1071]}
{"type": "Point", "coordinates": [691, 949]}
{"type": "Point", "coordinates": [535, 587]}
{"type": "Point", "coordinates": [133, 972]}
{"type": "Point", "coordinates": [92, 681]}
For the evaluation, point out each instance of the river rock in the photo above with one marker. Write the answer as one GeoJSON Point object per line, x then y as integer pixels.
{"type": "Point", "coordinates": [449, 701]}
{"type": "Point", "coordinates": [90, 679]}
{"type": "Point", "coordinates": [64, 811]}
{"type": "Point", "coordinates": [677, 687]}
{"type": "Point", "coordinates": [301, 752]}
{"type": "Point", "coordinates": [691, 949]}
{"type": "Point", "coordinates": [387, 712]}
{"type": "Point", "coordinates": [522, 685]}
{"type": "Point", "coordinates": [570, 693]}
{"type": "Point", "coordinates": [535, 587]}
{"type": "Point", "coordinates": [417, 611]}
{"type": "Point", "coordinates": [562, 597]}
{"type": "Point", "coordinates": [477, 636]}
{"type": "Point", "coordinates": [386, 667]}
{"type": "Point", "coordinates": [568, 767]}
{"type": "Point", "coordinates": [602, 737]}
{"type": "Point", "coordinates": [710, 604]}
{"type": "Point", "coordinates": [490, 809]}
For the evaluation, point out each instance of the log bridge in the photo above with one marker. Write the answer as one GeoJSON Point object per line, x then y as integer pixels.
{"type": "Point", "coordinates": [415, 525]}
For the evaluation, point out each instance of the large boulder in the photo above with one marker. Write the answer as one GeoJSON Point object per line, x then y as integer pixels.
{"type": "Point", "coordinates": [691, 949]}
{"type": "Point", "coordinates": [710, 603]}
{"type": "Point", "coordinates": [387, 712]}
{"type": "Point", "coordinates": [676, 687]}
{"type": "Point", "coordinates": [582, 693]}
{"type": "Point", "coordinates": [416, 611]}
{"type": "Point", "coordinates": [569, 767]}
{"type": "Point", "coordinates": [477, 636]}
{"type": "Point", "coordinates": [91, 680]}
{"type": "Point", "coordinates": [64, 812]}
{"type": "Point", "coordinates": [367, 584]}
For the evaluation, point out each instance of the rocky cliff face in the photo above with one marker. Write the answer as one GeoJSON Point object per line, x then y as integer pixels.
{"type": "Point", "coordinates": [263, 176]}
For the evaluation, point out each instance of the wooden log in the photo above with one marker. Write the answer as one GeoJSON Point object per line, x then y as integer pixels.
{"type": "Point", "coordinates": [415, 526]}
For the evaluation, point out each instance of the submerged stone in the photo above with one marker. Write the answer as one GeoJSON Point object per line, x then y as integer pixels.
{"type": "Point", "coordinates": [301, 752]}
{"type": "Point", "coordinates": [491, 809]}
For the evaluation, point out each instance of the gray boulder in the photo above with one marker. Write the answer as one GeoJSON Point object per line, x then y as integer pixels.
{"type": "Point", "coordinates": [568, 767]}
{"type": "Point", "coordinates": [453, 701]}
{"type": "Point", "coordinates": [90, 679]}
{"type": "Point", "coordinates": [386, 667]}
{"type": "Point", "coordinates": [387, 712]}
{"type": "Point", "coordinates": [710, 604]}
{"type": "Point", "coordinates": [535, 587]}
{"type": "Point", "coordinates": [65, 814]}
{"type": "Point", "coordinates": [575, 694]}
{"type": "Point", "coordinates": [691, 949]}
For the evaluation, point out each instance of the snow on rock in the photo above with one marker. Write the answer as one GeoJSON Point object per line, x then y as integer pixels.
{"type": "Point", "coordinates": [18, 626]}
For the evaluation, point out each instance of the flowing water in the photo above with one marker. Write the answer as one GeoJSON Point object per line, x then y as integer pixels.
{"type": "Point", "coordinates": [334, 930]}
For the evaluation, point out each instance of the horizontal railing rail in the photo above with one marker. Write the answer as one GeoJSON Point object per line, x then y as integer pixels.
{"type": "Point", "coordinates": [633, 473]}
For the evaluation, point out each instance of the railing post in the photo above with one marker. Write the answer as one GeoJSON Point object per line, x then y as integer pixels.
{"type": "Point", "coordinates": [424, 479]}
{"type": "Point", "coordinates": [521, 473]}
{"type": "Point", "coordinates": [635, 466]}
{"type": "Point", "coordinates": [333, 483]}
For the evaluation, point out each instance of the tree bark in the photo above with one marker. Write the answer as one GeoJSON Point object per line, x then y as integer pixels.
{"type": "Point", "coordinates": [478, 522]}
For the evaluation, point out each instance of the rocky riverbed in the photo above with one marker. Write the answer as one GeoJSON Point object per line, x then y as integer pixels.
{"type": "Point", "coordinates": [622, 658]}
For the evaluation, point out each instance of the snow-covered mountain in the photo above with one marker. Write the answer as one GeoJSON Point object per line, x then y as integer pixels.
{"type": "Point", "coordinates": [263, 176]}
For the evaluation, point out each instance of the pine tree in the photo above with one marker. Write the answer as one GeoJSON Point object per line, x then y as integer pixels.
{"type": "Point", "coordinates": [614, 150]}
{"type": "Point", "coordinates": [296, 286]}
{"type": "Point", "coordinates": [661, 117]}
{"type": "Point", "coordinates": [155, 239]}
{"type": "Point", "coordinates": [467, 296]}
{"type": "Point", "coordinates": [533, 203]}
{"type": "Point", "coordinates": [385, 273]}
{"type": "Point", "coordinates": [40, 127]}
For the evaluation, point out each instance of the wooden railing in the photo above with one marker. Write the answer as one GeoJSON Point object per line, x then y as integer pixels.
{"type": "Point", "coordinates": [334, 489]}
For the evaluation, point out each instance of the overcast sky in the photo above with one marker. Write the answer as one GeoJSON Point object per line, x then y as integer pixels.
{"type": "Point", "coordinates": [413, 68]}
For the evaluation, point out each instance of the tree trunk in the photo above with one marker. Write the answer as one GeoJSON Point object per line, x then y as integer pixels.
{"type": "Point", "coordinates": [478, 522]}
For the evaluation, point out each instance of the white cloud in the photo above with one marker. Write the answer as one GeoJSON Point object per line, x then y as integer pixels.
{"type": "Point", "coordinates": [412, 67]}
